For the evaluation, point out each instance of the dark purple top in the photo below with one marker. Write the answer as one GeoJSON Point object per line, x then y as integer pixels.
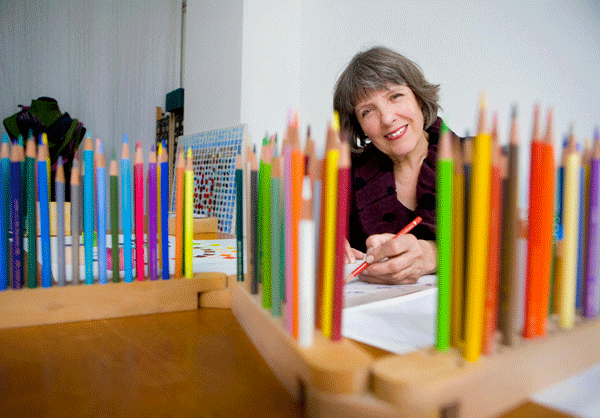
{"type": "Point", "coordinates": [374, 207]}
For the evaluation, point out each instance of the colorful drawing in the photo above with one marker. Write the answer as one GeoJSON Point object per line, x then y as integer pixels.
{"type": "Point", "coordinates": [214, 154]}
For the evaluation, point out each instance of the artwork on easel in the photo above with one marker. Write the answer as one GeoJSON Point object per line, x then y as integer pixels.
{"type": "Point", "coordinates": [213, 154]}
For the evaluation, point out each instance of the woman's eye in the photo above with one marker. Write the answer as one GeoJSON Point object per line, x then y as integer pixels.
{"type": "Point", "coordinates": [365, 113]}
{"type": "Point", "coordinates": [396, 96]}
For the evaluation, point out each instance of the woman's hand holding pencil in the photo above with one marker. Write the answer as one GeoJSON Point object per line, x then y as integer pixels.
{"type": "Point", "coordinates": [392, 260]}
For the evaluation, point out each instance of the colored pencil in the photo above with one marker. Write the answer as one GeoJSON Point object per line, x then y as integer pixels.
{"type": "Point", "coordinates": [591, 296]}
{"type": "Point", "coordinates": [75, 220]}
{"type": "Point", "coordinates": [265, 235]}
{"type": "Point", "coordinates": [138, 178]}
{"type": "Point", "coordinates": [159, 156]}
{"type": "Point", "coordinates": [287, 226]}
{"type": "Point", "coordinates": [16, 214]}
{"type": "Point", "coordinates": [409, 227]}
{"type": "Point", "coordinates": [540, 233]}
{"type": "Point", "coordinates": [458, 239]}
{"type": "Point", "coordinates": [341, 235]}
{"type": "Point", "coordinates": [101, 198]}
{"type": "Point", "coordinates": [189, 216]}
{"type": "Point", "coordinates": [254, 223]}
{"type": "Point", "coordinates": [570, 224]}
{"type": "Point", "coordinates": [239, 212]}
{"type": "Point", "coordinates": [59, 188]}
{"type": "Point", "coordinates": [510, 227]}
{"type": "Point", "coordinates": [152, 217]}
{"type": "Point", "coordinates": [44, 196]}
{"type": "Point", "coordinates": [126, 204]}
{"type": "Point", "coordinates": [584, 180]}
{"type": "Point", "coordinates": [179, 205]}
{"type": "Point", "coordinates": [31, 207]}
{"type": "Point", "coordinates": [445, 177]}
{"type": "Point", "coordinates": [88, 209]}
{"type": "Point", "coordinates": [477, 257]}
{"type": "Point", "coordinates": [467, 169]}
{"type": "Point", "coordinates": [307, 266]}
{"type": "Point", "coordinates": [164, 208]}
{"type": "Point", "coordinates": [297, 174]}
{"type": "Point", "coordinates": [559, 233]}
{"type": "Point", "coordinates": [114, 218]}
{"type": "Point", "coordinates": [276, 237]}
{"type": "Point", "coordinates": [332, 155]}
{"type": "Point", "coordinates": [5, 198]}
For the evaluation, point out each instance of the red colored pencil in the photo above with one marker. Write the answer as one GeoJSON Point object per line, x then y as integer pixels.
{"type": "Point", "coordinates": [341, 235]}
{"type": "Point", "coordinates": [403, 231]}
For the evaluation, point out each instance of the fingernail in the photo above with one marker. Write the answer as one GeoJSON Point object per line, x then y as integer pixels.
{"type": "Point", "coordinates": [370, 258]}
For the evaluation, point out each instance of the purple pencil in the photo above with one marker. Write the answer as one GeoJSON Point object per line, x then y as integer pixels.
{"type": "Point", "coordinates": [152, 216]}
{"type": "Point", "coordinates": [590, 297]}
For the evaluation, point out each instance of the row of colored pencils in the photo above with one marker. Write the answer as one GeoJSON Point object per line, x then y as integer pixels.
{"type": "Point", "coordinates": [480, 236]}
{"type": "Point", "coordinates": [296, 206]}
{"type": "Point", "coordinates": [25, 186]}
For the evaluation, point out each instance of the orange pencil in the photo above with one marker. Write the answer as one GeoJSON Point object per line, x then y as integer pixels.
{"type": "Point", "coordinates": [491, 294]}
{"type": "Point", "coordinates": [180, 168]}
{"type": "Point", "coordinates": [539, 232]}
{"type": "Point", "coordinates": [298, 170]}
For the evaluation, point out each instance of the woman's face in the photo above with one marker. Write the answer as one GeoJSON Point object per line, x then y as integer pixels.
{"type": "Point", "coordinates": [392, 119]}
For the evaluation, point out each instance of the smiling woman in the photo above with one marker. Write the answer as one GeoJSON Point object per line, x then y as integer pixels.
{"type": "Point", "coordinates": [388, 111]}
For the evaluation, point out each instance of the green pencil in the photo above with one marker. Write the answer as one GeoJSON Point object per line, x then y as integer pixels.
{"type": "Point", "coordinates": [114, 219]}
{"type": "Point", "coordinates": [445, 175]}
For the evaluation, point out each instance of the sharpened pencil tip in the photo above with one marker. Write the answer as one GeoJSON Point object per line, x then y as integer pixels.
{"type": "Point", "coordinates": [335, 121]}
{"type": "Point", "coordinates": [5, 138]}
{"type": "Point", "coordinates": [124, 138]}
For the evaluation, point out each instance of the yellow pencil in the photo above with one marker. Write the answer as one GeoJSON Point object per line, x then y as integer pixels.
{"type": "Point", "coordinates": [329, 210]}
{"type": "Point", "coordinates": [477, 254]}
{"type": "Point", "coordinates": [188, 217]}
{"type": "Point", "coordinates": [566, 308]}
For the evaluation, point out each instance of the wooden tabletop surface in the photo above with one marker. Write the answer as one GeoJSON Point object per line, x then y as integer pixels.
{"type": "Point", "coordinates": [196, 363]}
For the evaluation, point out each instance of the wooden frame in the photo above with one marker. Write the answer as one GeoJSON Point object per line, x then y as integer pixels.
{"type": "Point", "coordinates": [26, 307]}
{"type": "Point", "coordinates": [341, 379]}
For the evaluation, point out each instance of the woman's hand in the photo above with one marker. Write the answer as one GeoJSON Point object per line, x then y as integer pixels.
{"type": "Point", "coordinates": [351, 254]}
{"type": "Point", "coordinates": [400, 260]}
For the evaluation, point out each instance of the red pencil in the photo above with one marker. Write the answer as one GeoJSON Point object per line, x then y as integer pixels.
{"type": "Point", "coordinates": [403, 231]}
{"type": "Point", "coordinates": [341, 234]}
{"type": "Point", "coordinates": [138, 175]}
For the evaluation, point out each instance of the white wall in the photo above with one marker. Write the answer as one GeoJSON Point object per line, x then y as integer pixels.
{"type": "Point", "coordinates": [517, 52]}
{"type": "Point", "coordinates": [213, 64]}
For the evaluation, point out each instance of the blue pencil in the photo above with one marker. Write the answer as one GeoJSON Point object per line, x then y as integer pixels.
{"type": "Point", "coordinates": [126, 205]}
{"type": "Point", "coordinates": [101, 196]}
{"type": "Point", "coordinates": [16, 215]}
{"type": "Point", "coordinates": [4, 211]}
{"type": "Point", "coordinates": [44, 197]}
{"type": "Point", "coordinates": [164, 206]}
{"type": "Point", "coordinates": [88, 209]}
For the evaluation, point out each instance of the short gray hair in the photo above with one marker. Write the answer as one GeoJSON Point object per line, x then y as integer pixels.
{"type": "Point", "coordinates": [374, 70]}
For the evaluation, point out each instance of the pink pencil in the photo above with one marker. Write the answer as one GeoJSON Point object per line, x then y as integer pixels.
{"type": "Point", "coordinates": [138, 175]}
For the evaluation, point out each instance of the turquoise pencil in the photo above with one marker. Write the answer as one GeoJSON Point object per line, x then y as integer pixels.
{"type": "Point", "coordinates": [88, 209]}
{"type": "Point", "coordinates": [44, 196]}
{"type": "Point", "coordinates": [126, 205]}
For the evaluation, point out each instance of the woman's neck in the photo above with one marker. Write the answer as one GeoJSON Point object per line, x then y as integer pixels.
{"type": "Point", "coordinates": [413, 160]}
